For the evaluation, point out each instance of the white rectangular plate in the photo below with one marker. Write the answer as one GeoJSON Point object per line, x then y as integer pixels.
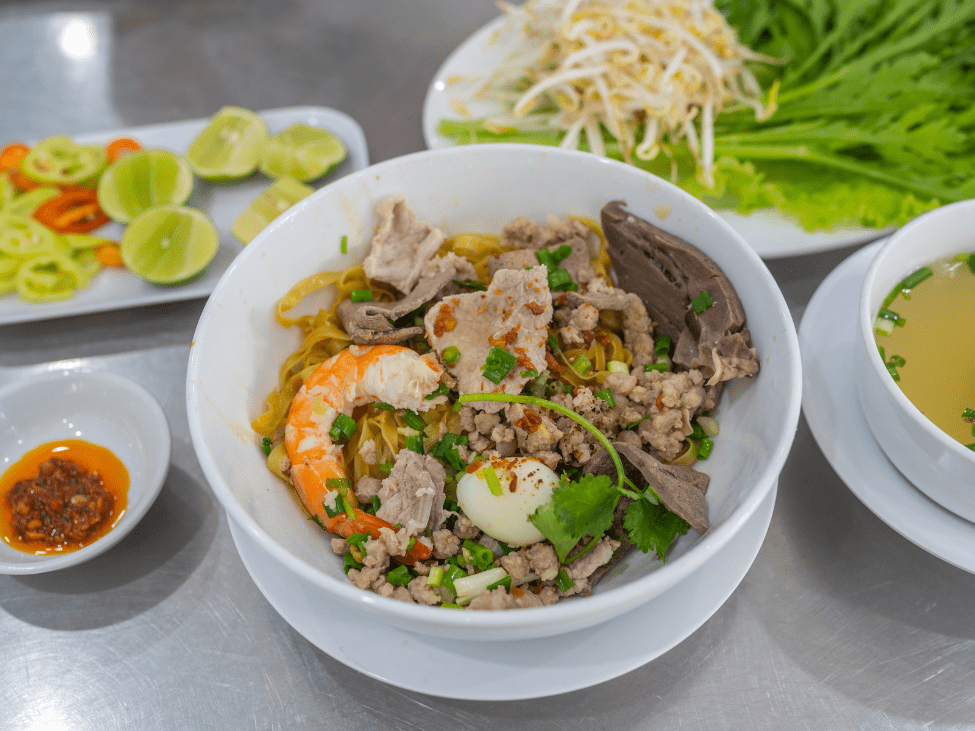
{"type": "Point", "coordinates": [115, 289]}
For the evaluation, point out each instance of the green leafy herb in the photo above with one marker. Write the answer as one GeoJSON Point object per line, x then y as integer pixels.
{"type": "Point", "coordinates": [266, 445]}
{"type": "Point", "coordinates": [400, 576]}
{"type": "Point", "coordinates": [652, 527]}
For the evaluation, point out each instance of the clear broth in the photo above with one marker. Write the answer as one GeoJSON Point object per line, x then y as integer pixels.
{"type": "Point", "coordinates": [937, 341]}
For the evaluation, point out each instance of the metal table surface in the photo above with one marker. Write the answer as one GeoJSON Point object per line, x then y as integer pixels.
{"type": "Point", "coordinates": [840, 623]}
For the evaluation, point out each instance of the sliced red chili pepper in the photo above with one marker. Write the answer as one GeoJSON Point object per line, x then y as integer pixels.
{"type": "Point", "coordinates": [121, 146]}
{"type": "Point", "coordinates": [12, 155]}
{"type": "Point", "coordinates": [74, 212]}
{"type": "Point", "coordinates": [22, 181]}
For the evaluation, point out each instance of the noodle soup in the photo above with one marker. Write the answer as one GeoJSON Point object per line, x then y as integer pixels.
{"type": "Point", "coordinates": [928, 345]}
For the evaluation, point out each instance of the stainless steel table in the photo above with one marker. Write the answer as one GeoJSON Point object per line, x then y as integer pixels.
{"type": "Point", "coordinates": [840, 623]}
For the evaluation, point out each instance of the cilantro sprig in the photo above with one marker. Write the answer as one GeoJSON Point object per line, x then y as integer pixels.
{"type": "Point", "coordinates": [586, 506]}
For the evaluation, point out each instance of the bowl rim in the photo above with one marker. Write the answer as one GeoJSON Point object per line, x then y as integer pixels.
{"type": "Point", "coordinates": [632, 593]}
{"type": "Point", "coordinates": [868, 343]}
{"type": "Point", "coordinates": [150, 413]}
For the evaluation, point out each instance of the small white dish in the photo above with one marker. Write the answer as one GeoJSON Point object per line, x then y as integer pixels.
{"type": "Point", "coordinates": [941, 467]}
{"type": "Point", "coordinates": [771, 234]}
{"type": "Point", "coordinates": [505, 671]}
{"type": "Point", "coordinates": [98, 407]}
{"type": "Point", "coordinates": [827, 335]}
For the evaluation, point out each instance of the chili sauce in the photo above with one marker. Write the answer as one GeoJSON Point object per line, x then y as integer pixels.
{"type": "Point", "coordinates": [69, 461]}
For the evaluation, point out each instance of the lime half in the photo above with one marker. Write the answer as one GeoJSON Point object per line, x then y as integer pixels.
{"type": "Point", "coordinates": [169, 244]}
{"type": "Point", "coordinates": [271, 203]}
{"type": "Point", "coordinates": [142, 180]}
{"type": "Point", "coordinates": [230, 146]}
{"type": "Point", "coordinates": [302, 152]}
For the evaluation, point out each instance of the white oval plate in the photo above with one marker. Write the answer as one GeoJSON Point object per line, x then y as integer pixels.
{"type": "Point", "coordinates": [116, 289]}
{"type": "Point", "coordinates": [769, 232]}
{"type": "Point", "coordinates": [827, 336]}
{"type": "Point", "coordinates": [98, 407]}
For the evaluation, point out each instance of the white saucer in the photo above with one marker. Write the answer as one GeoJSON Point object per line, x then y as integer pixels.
{"type": "Point", "coordinates": [829, 401]}
{"type": "Point", "coordinates": [770, 233]}
{"type": "Point", "coordinates": [508, 670]}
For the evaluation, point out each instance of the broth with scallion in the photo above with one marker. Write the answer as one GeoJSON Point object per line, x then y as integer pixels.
{"type": "Point", "coordinates": [926, 340]}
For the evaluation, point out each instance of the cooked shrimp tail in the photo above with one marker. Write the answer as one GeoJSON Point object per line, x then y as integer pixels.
{"type": "Point", "coordinates": [357, 375]}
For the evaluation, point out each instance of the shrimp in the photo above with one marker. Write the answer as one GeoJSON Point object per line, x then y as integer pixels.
{"type": "Point", "coordinates": [357, 375]}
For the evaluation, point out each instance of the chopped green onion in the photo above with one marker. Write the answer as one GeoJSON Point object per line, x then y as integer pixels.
{"type": "Point", "coordinates": [704, 448]}
{"type": "Point", "coordinates": [530, 373]}
{"type": "Point", "coordinates": [562, 253]}
{"type": "Point", "coordinates": [361, 295]}
{"type": "Point", "coordinates": [384, 406]}
{"type": "Point", "coordinates": [885, 314]}
{"type": "Point", "coordinates": [494, 484]}
{"type": "Point", "coordinates": [318, 520]}
{"type": "Point", "coordinates": [453, 571]}
{"type": "Point", "coordinates": [415, 444]}
{"type": "Point", "coordinates": [563, 581]}
{"type": "Point", "coordinates": [968, 414]}
{"type": "Point", "coordinates": [505, 582]}
{"type": "Point", "coordinates": [702, 302]}
{"type": "Point", "coordinates": [374, 505]}
{"type": "Point", "coordinates": [400, 576]}
{"type": "Point", "coordinates": [386, 467]}
{"type": "Point", "coordinates": [481, 556]}
{"type": "Point", "coordinates": [435, 577]}
{"type": "Point", "coordinates": [607, 396]}
{"type": "Point", "coordinates": [342, 429]}
{"type": "Point", "coordinates": [559, 280]}
{"type": "Point", "coordinates": [451, 354]}
{"type": "Point", "coordinates": [413, 420]}
{"type": "Point", "coordinates": [471, 586]}
{"type": "Point", "coordinates": [662, 347]}
{"type": "Point", "coordinates": [505, 548]}
{"type": "Point", "coordinates": [450, 504]}
{"type": "Point", "coordinates": [883, 327]}
{"type": "Point", "coordinates": [441, 390]}
{"type": "Point", "coordinates": [266, 445]}
{"type": "Point", "coordinates": [545, 257]}
{"type": "Point", "coordinates": [451, 605]}
{"type": "Point", "coordinates": [498, 364]}
{"type": "Point", "coordinates": [697, 433]}
{"type": "Point", "coordinates": [345, 249]}
{"type": "Point", "coordinates": [655, 367]}
{"type": "Point", "coordinates": [471, 285]}
{"type": "Point", "coordinates": [581, 364]}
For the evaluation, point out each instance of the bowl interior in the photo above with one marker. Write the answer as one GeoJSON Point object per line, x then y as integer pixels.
{"type": "Point", "coordinates": [943, 232]}
{"type": "Point", "coordinates": [238, 347]}
{"type": "Point", "coordinates": [101, 408]}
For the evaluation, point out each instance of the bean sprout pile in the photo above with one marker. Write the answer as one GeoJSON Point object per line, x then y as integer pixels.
{"type": "Point", "coordinates": [651, 73]}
